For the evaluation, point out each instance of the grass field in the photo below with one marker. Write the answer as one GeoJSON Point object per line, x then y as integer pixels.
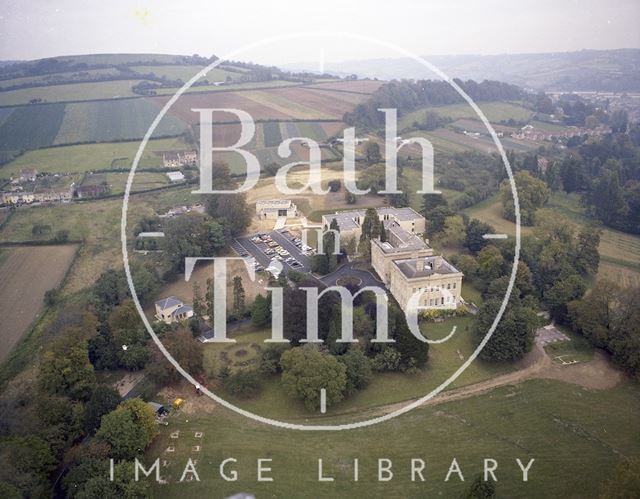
{"type": "Point", "coordinates": [184, 72]}
{"type": "Point", "coordinates": [571, 432]}
{"type": "Point", "coordinates": [91, 157]}
{"type": "Point", "coordinates": [619, 251]}
{"type": "Point", "coordinates": [247, 85]}
{"type": "Point", "coordinates": [70, 92]}
{"type": "Point", "coordinates": [27, 273]}
{"type": "Point", "coordinates": [494, 111]}
{"type": "Point", "coordinates": [386, 388]}
{"type": "Point", "coordinates": [47, 79]}
{"type": "Point", "coordinates": [32, 127]}
{"type": "Point", "coordinates": [102, 121]}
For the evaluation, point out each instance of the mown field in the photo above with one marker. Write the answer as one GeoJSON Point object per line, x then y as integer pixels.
{"type": "Point", "coordinates": [494, 111]}
{"type": "Point", "coordinates": [26, 274]}
{"type": "Point", "coordinates": [92, 157]}
{"type": "Point", "coordinates": [32, 127]}
{"type": "Point", "coordinates": [571, 432]}
{"type": "Point", "coordinates": [70, 92]}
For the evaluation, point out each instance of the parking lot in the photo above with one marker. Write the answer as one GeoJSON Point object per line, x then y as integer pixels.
{"type": "Point", "coordinates": [279, 245]}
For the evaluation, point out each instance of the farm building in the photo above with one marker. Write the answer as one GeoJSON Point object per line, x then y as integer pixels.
{"type": "Point", "coordinates": [170, 310]}
{"type": "Point", "coordinates": [93, 186]}
{"type": "Point", "coordinates": [175, 176]}
{"type": "Point", "coordinates": [176, 159]}
{"type": "Point", "coordinates": [28, 175]}
{"type": "Point", "coordinates": [274, 208]}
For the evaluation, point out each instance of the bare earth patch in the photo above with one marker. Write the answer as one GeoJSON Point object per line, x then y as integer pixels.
{"type": "Point", "coordinates": [26, 274]}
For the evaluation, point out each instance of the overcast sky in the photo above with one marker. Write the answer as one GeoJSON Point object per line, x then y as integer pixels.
{"type": "Point", "coordinates": [31, 29]}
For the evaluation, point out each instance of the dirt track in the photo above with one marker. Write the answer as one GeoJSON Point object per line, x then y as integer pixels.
{"type": "Point", "coordinates": [597, 374]}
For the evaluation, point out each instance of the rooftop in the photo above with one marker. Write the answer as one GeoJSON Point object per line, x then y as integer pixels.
{"type": "Point", "coordinates": [169, 302]}
{"type": "Point", "coordinates": [351, 219]}
{"type": "Point", "coordinates": [431, 265]}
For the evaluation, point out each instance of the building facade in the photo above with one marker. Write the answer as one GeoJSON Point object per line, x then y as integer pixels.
{"type": "Point", "coordinates": [271, 209]}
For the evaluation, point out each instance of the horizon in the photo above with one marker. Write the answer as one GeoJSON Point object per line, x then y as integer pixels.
{"type": "Point", "coordinates": [34, 30]}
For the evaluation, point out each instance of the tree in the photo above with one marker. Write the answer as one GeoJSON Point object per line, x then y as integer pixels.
{"type": "Point", "coordinates": [261, 311]}
{"type": "Point", "coordinates": [514, 334]}
{"type": "Point", "coordinates": [306, 370]}
{"type": "Point", "coordinates": [66, 369]}
{"type": "Point", "coordinates": [334, 185]}
{"type": "Point", "coordinates": [565, 290]}
{"type": "Point", "coordinates": [231, 210]}
{"type": "Point", "coordinates": [372, 153]}
{"type": "Point", "coordinates": [490, 263]}
{"type": "Point", "coordinates": [238, 297]}
{"type": "Point", "coordinates": [454, 230]}
{"type": "Point", "coordinates": [624, 482]}
{"type": "Point", "coordinates": [413, 352]}
{"type": "Point", "coordinates": [243, 383]}
{"type": "Point", "coordinates": [533, 193]}
{"type": "Point", "coordinates": [199, 305]}
{"type": "Point", "coordinates": [184, 348]}
{"type": "Point", "coordinates": [587, 255]}
{"type": "Point", "coordinates": [480, 489]}
{"type": "Point", "coordinates": [474, 232]}
{"type": "Point", "coordinates": [128, 429]}
{"type": "Point", "coordinates": [104, 399]}
{"type": "Point", "coordinates": [209, 298]}
{"type": "Point", "coordinates": [359, 372]}
{"type": "Point", "coordinates": [192, 235]}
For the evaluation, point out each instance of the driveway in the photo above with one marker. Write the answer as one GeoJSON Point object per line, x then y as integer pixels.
{"type": "Point", "coordinates": [349, 270]}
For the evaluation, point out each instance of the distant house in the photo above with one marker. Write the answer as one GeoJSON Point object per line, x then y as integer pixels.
{"type": "Point", "coordinates": [16, 197]}
{"type": "Point", "coordinates": [175, 176]}
{"type": "Point", "coordinates": [176, 159]}
{"type": "Point", "coordinates": [93, 186]}
{"type": "Point", "coordinates": [170, 310]}
{"type": "Point", "coordinates": [28, 175]}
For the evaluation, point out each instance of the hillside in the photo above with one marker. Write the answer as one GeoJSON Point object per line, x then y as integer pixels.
{"type": "Point", "coordinates": [595, 70]}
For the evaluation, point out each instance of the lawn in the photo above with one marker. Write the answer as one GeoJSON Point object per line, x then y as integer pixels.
{"type": "Point", "coordinates": [573, 434]}
{"type": "Point", "coordinates": [92, 157]}
{"type": "Point", "coordinates": [386, 388]}
{"type": "Point", "coordinates": [70, 92]}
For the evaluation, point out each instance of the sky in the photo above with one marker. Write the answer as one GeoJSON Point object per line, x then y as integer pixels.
{"type": "Point", "coordinates": [32, 29]}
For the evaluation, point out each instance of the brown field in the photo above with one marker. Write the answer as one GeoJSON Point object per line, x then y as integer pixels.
{"type": "Point", "coordinates": [332, 128]}
{"type": "Point", "coordinates": [362, 86]}
{"type": "Point", "coordinates": [182, 108]}
{"type": "Point", "coordinates": [331, 104]}
{"type": "Point", "coordinates": [623, 276]}
{"type": "Point", "coordinates": [27, 273]}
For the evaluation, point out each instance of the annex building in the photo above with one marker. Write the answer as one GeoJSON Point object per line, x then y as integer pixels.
{"type": "Point", "coordinates": [403, 260]}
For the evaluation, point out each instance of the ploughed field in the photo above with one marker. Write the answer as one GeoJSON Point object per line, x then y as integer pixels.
{"type": "Point", "coordinates": [26, 274]}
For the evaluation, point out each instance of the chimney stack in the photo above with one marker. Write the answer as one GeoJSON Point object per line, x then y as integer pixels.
{"type": "Point", "coordinates": [420, 264]}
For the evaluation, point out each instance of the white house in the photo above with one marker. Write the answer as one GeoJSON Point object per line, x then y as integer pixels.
{"type": "Point", "coordinates": [170, 310]}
